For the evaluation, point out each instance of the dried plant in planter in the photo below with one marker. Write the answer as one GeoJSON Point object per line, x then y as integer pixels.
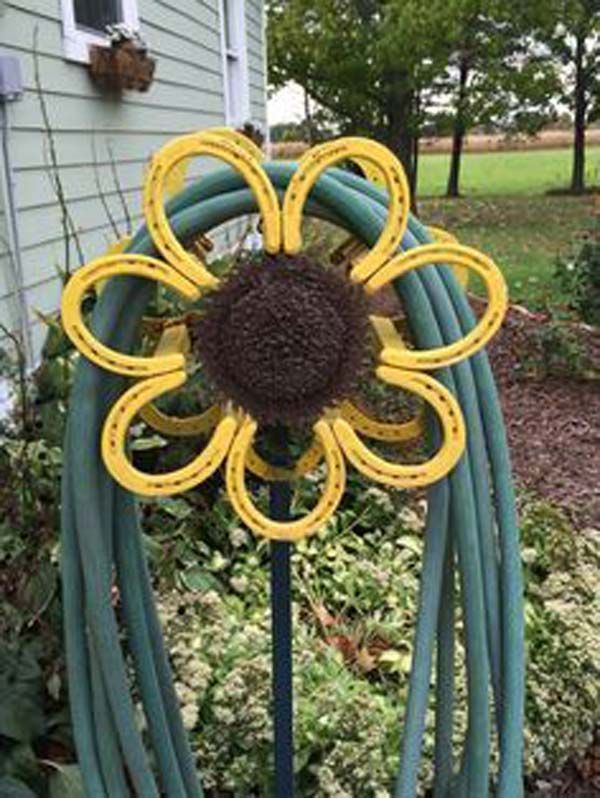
{"type": "Point", "coordinates": [124, 65]}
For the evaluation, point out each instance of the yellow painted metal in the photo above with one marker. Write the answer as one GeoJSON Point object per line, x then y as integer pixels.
{"type": "Point", "coordinates": [315, 162]}
{"type": "Point", "coordinates": [175, 181]}
{"type": "Point", "coordinates": [388, 335]}
{"type": "Point", "coordinates": [392, 432]}
{"type": "Point", "coordinates": [175, 338]}
{"type": "Point", "coordinates": [473, 341]}
{"type": "Point", "coordinates": [444, 237]}
{"type": "Point", "coordinates": [238, 138]}
{"type": "Point", "coordinates": [114, 437]}
{"type": "Point", "coordinates": [410, 475]}
{"type": "Point", "coordinates": [386, 331]}
{"type": "Point", "coordinates": [225, 148]}
{"type": "Point", "coordinates": [371, 172]}
{"type": "Point", "coordinates": [309, 460]}
{"type": "Point", "coordinates": [114, 249]}
{"type": "Point", "coordinates": [178, 427]}
{"type": "Point", "coordinates": [113, 266]}
{"type": "Point", "coordinates": [285, 530]}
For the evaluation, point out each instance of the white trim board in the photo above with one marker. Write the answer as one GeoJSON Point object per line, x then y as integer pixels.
{"type": "Point", "coordinates": [234, 50]}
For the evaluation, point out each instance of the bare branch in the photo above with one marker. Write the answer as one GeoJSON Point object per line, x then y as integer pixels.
{"type": "Point", "coordinates": [101, 194]}
{"type": "Point", "coordinates": [68, 226]}
{"type": "Point", "coordinates": [119, 187]}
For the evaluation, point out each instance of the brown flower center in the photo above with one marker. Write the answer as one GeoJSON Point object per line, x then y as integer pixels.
{"type": "Point", "coordinates": [283, 338]}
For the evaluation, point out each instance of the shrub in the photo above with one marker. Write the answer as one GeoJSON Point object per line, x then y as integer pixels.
{"type": "Point", "coordinates": [580, 279]}
{"type": "Point", "coordinates": [355, 601]}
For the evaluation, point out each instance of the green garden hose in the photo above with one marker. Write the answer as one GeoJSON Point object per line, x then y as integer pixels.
{"type": "Point", "coordinates": [471, 533]}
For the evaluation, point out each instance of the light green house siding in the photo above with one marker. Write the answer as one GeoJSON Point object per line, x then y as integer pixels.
{"type": "Point", "coordinates": [90, 129]}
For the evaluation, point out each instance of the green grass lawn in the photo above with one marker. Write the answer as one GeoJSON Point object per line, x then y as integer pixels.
{"type": "Point", "coordinates": [524, 234]}
{"type": "Point", "coordinates": [506, 212]}
{"type": "Point", "coordinates": [510, 173]}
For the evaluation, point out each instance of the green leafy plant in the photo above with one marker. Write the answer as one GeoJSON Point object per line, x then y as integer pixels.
{"type": "Point", "coordinates": [579, 277]}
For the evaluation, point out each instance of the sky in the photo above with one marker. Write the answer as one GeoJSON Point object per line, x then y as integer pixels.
{"type": "Point", "coordinates": [286, 105]}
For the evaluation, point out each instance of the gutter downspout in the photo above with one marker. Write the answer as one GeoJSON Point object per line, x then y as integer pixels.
{"type": "Point", "coordinates": [8, 190]}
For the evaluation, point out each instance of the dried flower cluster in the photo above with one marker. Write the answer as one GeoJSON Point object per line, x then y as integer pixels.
{"type": "Point", "coordinates": [283, 337]}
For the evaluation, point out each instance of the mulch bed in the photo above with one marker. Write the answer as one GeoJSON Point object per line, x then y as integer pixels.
{"type": "Point", "coordinates": [552, 418]}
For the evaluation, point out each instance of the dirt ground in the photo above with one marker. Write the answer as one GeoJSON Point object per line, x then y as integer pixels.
{"type": "Point", "coordinates": [552, 419]}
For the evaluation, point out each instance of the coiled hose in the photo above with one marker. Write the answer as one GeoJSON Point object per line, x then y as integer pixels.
{"type": "Point", "coordinates": [471, 533]}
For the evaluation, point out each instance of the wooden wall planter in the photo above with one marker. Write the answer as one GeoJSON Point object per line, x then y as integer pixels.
{"type": "Point", "coordinates": [121, 67]}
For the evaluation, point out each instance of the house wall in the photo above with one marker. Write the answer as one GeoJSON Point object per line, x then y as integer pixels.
{"type": "Point", "coordinates": [91, 130]}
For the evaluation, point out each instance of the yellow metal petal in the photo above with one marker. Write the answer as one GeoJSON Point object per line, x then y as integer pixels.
{"type": "Point", "coordinates": [444, 237]}
{"type": "Point", "coordinates": [114, 249]}
{"type": "Point", "coordinates": [392, 432]}
{"type": "Point", "coordinates": [386, 331]}
{"type": "Point", "coordinates": [238, 138]}
{"type": "Point", "coordinates": [188, 427]}
{"type": "Point", "coordinates": [372, 173]}
{"type": "Point", "coordinates": [314, 163]}
{"type": "Point", "coordinates": [305, 464]}
{"type": "Point", "coordinates": [114, 439]}
{"type": "Point", "coordinates": [473, 341]}
{"type": "Point", "coordinates": [175, 182]}
{"type": "Point", "coordinates": [115, 266]}
{"type": "Point", "coordinates": [225, 149]}
{"type": "Point", "coordinates": [176, 339]}
{"type": "Point", "coordinates": [284, 530]}
{"type": "Point", "coordinates": [388, 335]}
{"type": "Point", "coordinates": [417, 475]}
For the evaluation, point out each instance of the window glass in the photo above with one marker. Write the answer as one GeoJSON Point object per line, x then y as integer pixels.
{"type": "Point", "coordinates": [97, 14]}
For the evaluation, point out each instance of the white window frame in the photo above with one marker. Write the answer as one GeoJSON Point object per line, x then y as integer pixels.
{"type": "Point", "coordinates": [235, 63]}
{"type": "Point", "coordinates": [76, 41]}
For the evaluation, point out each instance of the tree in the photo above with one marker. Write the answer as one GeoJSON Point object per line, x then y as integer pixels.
{"type": "Point", "coordinates": [495, 76]}
{"type": "Point", "coordinates": [365, 62]}
{"type": "Point", "coordinates": [571, 32]}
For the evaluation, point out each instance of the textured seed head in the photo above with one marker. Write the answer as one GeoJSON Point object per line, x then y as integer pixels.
{"type": "Point", "coordinates": [283, 338]}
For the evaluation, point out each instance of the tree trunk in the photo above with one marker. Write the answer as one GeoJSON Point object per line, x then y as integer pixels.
{"type": "Point", "coordinates": [458, 131]}
{"type": "Point", "coordinates": [308, 120]}
{"type": "Point", "coordinates": [415, 170]}
{"type": "Point", "coordinates": [400, 128]}
{"type": "Point", "coordinates": [578, 175]}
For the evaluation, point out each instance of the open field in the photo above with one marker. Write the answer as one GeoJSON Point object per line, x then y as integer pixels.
{"type": "Point", "coordinates": [524, 234]}
{"type": "Point", "coordinates": [479, 142]}
{"type": "Point", "coordinates": [514, 173]}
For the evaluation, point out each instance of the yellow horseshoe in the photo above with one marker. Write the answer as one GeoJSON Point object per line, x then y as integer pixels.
{"type": "Point", "coordinates": [114, 437]}
{"type": "Point", "coordinates": [410, 476]}
{"type": "Point", "coordinates": [284, 530]}
{"type": "Point", "coordinates": [314, 163]}
{"type": "Point", "coordinates": [181, 427]}
{"type": "Point", "coordinates": [175, 338]}
{"type": "Point", "coordinates": [309, 460]}
{"type": "Point", "coordinates": [115, 266]}
{"type": "Point", "coordinates": [176, 180]}
{"type": "Point", "coordinates": [225, 149]}
{"type": "Point", "coordinates": [238, 138]}
{"type": "Point", "coordinates": [381, 430]}
{"type": "Point", "coordinates": [452, 254]}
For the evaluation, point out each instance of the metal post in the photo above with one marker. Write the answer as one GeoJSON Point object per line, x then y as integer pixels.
{"type": "Point", "coordinates": [281, 620]}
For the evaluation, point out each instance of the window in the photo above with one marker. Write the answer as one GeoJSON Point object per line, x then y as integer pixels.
{"type": "Point", "coordinates": [95, 15]}
{"type": "Point", "coordinates": [235, 62]}
{"type": "Point", "coordinates": [85, 21]}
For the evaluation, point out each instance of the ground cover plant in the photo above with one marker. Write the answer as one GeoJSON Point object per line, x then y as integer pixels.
{"type": "Point", "coordinates": [355, 596]}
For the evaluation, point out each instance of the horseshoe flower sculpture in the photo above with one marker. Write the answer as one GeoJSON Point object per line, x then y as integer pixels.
{"type": "Point", "coordinates": [281, 338]}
